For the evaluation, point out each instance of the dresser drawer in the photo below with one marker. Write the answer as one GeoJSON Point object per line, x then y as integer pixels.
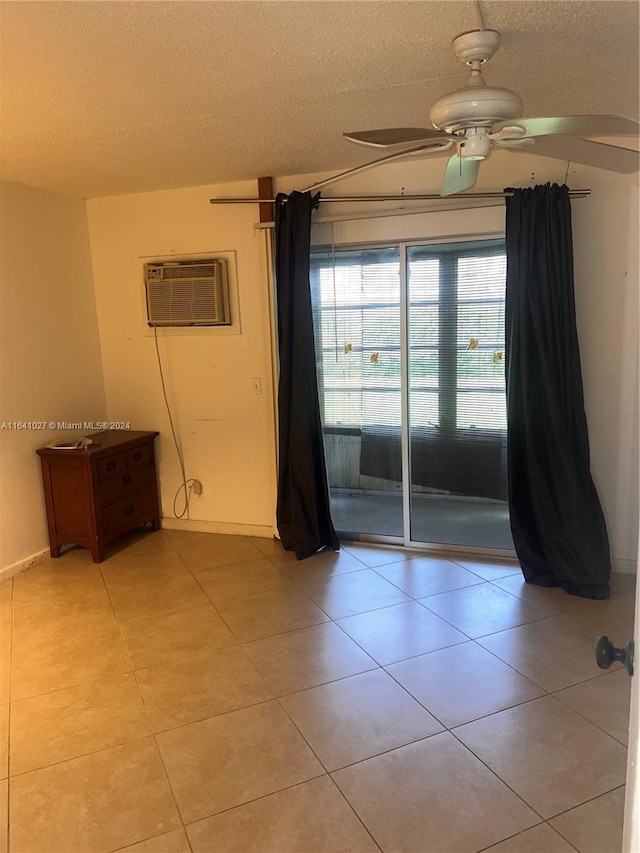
{"type": "Point", "coordinates": [112, 466]}
{"type": "Point", "coordinates": [139, 455]}
{"type": "Point", "coordinates": [124, 484]}
{"type": "Point", "coordinates": [126, 512]}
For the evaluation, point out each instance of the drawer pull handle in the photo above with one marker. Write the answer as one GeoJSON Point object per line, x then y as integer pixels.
{"type": "Point", "coordinates": [138, 454]}
{"type": "Point", "coordinates": [126, 478]}
{"type": "Point", "coordinates": [111, 466]}
{"type": "Point", "coordinates": [128, 509]}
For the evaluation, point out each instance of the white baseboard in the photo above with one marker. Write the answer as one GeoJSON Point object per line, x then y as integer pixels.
{"type": "Point", "coordinates": [21, 565]}
{"type": "Point", "coordinates": [263, 531]}
{"type": "Point", "coordinates": [624, 567]}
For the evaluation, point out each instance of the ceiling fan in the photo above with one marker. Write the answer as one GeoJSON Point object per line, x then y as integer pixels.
{"type": "Point", "coordinates": [478, 117]}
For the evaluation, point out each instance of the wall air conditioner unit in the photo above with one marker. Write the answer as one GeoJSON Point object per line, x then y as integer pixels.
{"type": "Point", "coordinates": [188, 293]}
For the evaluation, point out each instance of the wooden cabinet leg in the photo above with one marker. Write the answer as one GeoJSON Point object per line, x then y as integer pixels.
{"type": "Point", "coordinates": [97, 552]}
{"type": "Point", "coordinates": [54, 550]}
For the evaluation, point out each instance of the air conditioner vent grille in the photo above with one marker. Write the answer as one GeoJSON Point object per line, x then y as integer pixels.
{"type": "Point", "coordinates": [189, 271]}
{"type": "Point", "coordinates": [187, 294]}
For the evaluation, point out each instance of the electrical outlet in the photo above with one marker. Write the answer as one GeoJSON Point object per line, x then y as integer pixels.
{"type": "Point", "coordinates": [197, 490]}
{"type": "Point", "coordinates": [256, 386]}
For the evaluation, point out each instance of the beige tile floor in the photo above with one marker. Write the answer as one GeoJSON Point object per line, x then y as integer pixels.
{"type": "Point", "coordinates": [205, 693]}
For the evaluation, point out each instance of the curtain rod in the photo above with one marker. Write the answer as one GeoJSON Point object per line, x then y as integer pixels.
{"type": "Point", "coordinates": [361, 216]}
{"type": "Point", "coordinates": [415, 197]}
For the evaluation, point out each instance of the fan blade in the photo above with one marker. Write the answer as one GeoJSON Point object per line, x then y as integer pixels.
{"type": "Point", "coordinates": [460, 175]}
{"type": "Point", "coordinates": [514, 144]}
{"type": "Point", "coordinates": [573, 126]}
{"type": "Point", "coordinates": [609, 157]}
{"type": "Point", "coordinates": [393, 136]}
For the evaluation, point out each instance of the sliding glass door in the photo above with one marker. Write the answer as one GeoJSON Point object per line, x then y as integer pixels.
{"type": "Point", "coordinates": [456, 399]}
{"type": "Point", "coordinates": [358, 343]}
{"type": "Point", "coordinates": [410, 347]}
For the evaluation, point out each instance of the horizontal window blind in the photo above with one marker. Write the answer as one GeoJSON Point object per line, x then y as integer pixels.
{"type": "Point", "coordinates": [456, 305]}
{"type": "Point", "coordinates": [357, 322]}
{"type": "Point", "coordinates": [357, 307]}
{"type": "Point", "coordinates": [455, 357]}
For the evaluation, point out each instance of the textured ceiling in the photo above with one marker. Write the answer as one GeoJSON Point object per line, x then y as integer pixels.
{"type": "Point", "coordinates": [103, 98]}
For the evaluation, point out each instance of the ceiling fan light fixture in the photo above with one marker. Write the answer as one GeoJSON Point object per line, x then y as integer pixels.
{"type": "Point", "coordinates": [475, 146]}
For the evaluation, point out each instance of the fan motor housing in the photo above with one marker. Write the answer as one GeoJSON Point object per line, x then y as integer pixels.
{"type": "Point", "coordinates": [474, 106]}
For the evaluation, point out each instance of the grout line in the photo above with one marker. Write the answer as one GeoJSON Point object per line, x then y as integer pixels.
{"type": "Point", "coordinates": [215, 610]}
{"type": "Point", "coordinates": [257, 671]}
{"type": "Point", "coordinates": [373, 668]}
{"type": "Point", "coordinates": [466, 722]}
{"type": "Point", "coordinates": [510, 665]}
{"type": "Point", "coordinates": [490, 633]}
{"type": "Point", "coordinates": [153, 838]}
{"type": "Point", "coordinates": [282, 586]}
{"type": "Point", "coordinates": [569, 603]}
{"type": "Point", "coordinates": [215, 715]}
{"type": "Point", "coordinates": [389, 750]}
{"type": "Point", "coordinates": [360, 820]}
{"type": "Point", "coordinates": [184, 725]}
{"type": "Point", "coordinates": [500, 779]}
{"type": "Point", "coordinates": [246, 641]}
{"type": "Point", "coordinates": [91, 680]}
{"type": "Point", "coordinates": [329, 772]}
{"type": "Point", "coordinates": [521, 833]}
{"type": "Point", "coordinates": [168, 778]}
{"type": "Point", "coordinates": [430, 594]}
{"type": "Point", "coordinates": [551, 817]}
{"type": "Point", "coordinates": [320, 577]}
{"type": "Point", "coordinates": [342, 767]}
{"type": "Point", "coordinates": [591, 722]}
{"type": "Point", "coordinates": [255, 799]}
{"type": "Point", "coordinates": [589, 800]}
{"type": "Point", "coordinates": [239, 640]}
{"type": "Point", "coordinates": [384, 751]}
{"type": "Point", "coordinates": [553, 829]}
{"type": "Point", "coordinates": [413, 656]}
{"type": "Point", "coordinates": [529, 677]}
{"type": "Point", "coordinates": [83, 755]}
{"type": "Point", "coordinates": [300, 732]}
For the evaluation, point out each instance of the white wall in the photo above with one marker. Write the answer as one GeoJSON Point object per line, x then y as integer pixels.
{"type": "Point", "coordinates": [606, 257]}
{"type": "Point", "coordinates": [50, 367]}
{"type": "Point", "coordinates": [227, 433]}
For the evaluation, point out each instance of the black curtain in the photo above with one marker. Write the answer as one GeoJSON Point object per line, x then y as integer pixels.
{"type": "Point", "coordinates": [557, 523]}
{"type": "Point", "coordinates": [302, 511]}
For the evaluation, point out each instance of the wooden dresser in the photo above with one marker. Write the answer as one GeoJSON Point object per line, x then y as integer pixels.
{"type": "Point", "coordinates": [95, 495]}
